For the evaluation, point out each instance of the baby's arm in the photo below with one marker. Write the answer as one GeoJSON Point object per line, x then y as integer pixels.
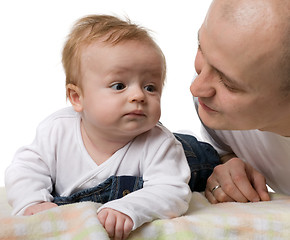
{"type": "Point", "coordinates": [39, 207]}
{"type": "Point", "coordinates": [117, 224]}
{"type": "Point", "coordinates": [29, 178]}
{"type": "Point", "coordinates": [165, 193]}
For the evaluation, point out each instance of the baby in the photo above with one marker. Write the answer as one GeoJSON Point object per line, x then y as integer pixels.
{"type": "Point", "coordinates": [109, 147]}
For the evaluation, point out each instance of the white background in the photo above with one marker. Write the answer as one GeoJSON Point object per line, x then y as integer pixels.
{"type": "Point", "coordinates": [31, 74]}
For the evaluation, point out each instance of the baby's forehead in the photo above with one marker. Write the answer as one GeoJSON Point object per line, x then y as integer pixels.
{"type": "Point", "coordinates": [129, 45]}
{"type": "Point", "coordinates": [123, 57]}
{"type": "Point", "coordinates": [107, 41]}
{"type": "Point", "coordinates": [103, 43]}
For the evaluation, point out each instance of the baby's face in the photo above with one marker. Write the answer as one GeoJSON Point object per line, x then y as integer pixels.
{"type": "Point", "coordinates": [122, 87]}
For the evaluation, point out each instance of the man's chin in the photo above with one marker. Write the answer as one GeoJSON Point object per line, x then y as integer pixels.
{"type": "Point", "coordinates": [212, 121]}
{"type": "Point", "coordinates": [217, 125]}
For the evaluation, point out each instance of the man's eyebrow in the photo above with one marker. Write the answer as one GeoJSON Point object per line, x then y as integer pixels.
{"type": "Point", "coordinates": [227, 78]}
{"type": "Point", "coordinates": [223, 75]}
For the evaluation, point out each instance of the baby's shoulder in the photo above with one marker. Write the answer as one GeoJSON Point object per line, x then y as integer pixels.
{"type": "Point", "coordinates": [157, 135]}
{"type": "Point", "coordinates": [161, 130]}
{"type": "Point", "coordinates": [62, 117]}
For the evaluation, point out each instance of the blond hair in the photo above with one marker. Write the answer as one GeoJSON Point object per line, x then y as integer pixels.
{"type": "Point", "coordinates": [92, 28]}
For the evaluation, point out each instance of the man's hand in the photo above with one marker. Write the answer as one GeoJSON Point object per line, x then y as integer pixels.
{"type": "Point", "coordinates": [38, 208]}
{"type": "Point", "coordinates": [237, 181]}
{"type": "Point", "coordinates": [117, 224]}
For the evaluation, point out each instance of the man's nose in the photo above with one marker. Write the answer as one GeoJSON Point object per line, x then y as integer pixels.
{"type": "Point", "coordinates": [202, 85]}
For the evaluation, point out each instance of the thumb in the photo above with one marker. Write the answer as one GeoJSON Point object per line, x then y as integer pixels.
{"type": "Point", "coordinates": [263, 193]}
{"type": "Point", "coordinates": [259, 183]}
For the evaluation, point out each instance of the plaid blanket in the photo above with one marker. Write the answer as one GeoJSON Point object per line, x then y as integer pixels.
{"type": "Point", "coordinates": [263, 220]}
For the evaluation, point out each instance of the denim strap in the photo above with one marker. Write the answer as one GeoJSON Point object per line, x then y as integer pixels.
{"type": "Point", "coordinates": [201, 158]}
{"type": "Point", "coordinates": [113, 188]}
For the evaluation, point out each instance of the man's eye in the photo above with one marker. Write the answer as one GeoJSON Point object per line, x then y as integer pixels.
{"type": "Point", "coordinates": [118, 86]}
{"type": "Point", "coordinates": [150, 88]}
{"type": "Point", "coordinates": [226, 85]}
{"type": "Point", "coordinates": [198, 46]}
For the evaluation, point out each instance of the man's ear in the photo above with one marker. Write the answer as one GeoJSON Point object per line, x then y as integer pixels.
{"type": "Point", "coordinates": [74, 95]}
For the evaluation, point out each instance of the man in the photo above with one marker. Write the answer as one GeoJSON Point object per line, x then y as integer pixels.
{"type": "Point", "coordinates": [243, 95]}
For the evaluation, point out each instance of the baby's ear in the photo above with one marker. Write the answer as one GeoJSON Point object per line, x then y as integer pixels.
{"type": "Point", "coordinates": [74, 95]}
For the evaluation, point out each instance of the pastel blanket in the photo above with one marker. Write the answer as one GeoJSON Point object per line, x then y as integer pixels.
{"type": "Point", "coordinates": [263, 220]}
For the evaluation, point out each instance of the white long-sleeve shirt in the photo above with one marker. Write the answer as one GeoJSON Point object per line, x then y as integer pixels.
{"type": "Point", "coordinates": [58, 157]}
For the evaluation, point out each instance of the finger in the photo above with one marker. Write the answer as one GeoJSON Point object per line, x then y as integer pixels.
{"type": "Point", "coordinates": [259, 183]}
{"type": "Point", "coordinates": [39, 207]}
{"type": "Point", "coordinates": [210, 197]}
{"type": "Point", "coordinates": [238, 187]}
{"type": "Point", "coordinates": [234, 181]}
{"type": "Point", "coordinates": [211, 182]}
{"type": "Point", "coordinates": [264, 194]}
{"type": "Point", "coordinates": [212, 188]}
{"type": "Point", "coordinates": [102, 215]}
{"type": "Point", "coordinates": [119, 229]}
{"type": "Point", "coordinates": [47, 205]}
{"type": "Point", "coordinates": [110, 225]}
{"type": "Point", "coordinates": [230, 191]}
{"type": "Point", "coordinates": [221, 196]}
{"type": "Point", "coordinates": [27, 212]}
{"type": "Point", "coordinates": [128, 225]}
{"type": "Point", "coordinates": [243, 178]}
{"type": "Point", "coordinates": [218, 195]}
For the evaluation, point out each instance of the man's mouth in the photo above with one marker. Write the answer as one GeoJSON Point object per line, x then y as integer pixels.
{"type": "Point", "coordinates": [205, 107]}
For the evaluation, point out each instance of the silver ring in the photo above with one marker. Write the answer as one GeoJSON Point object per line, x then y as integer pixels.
{"type": "Point", "coordinates": [215, 188]}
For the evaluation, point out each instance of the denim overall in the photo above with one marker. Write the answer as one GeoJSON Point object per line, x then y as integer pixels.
{"type": "Point", "coordinates": [201, 157]}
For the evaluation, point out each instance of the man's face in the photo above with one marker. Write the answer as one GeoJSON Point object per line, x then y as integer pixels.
{"type": "Point", "coordinates": [237, 84]}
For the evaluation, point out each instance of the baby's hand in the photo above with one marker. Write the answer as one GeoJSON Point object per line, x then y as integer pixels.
{"type": "Point", "coordinates": [38, 208]}
{"type": "Point", "coordinates": [117, 224]}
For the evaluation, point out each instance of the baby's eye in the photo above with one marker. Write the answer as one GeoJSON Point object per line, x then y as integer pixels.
{"type": "Point", "coordinates": [118, 86]}
{"type": "Point", "coordinates": [150, 88]}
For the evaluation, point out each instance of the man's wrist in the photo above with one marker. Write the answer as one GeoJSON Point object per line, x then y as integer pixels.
{"type": "Point", "coordinates": [227, 157]}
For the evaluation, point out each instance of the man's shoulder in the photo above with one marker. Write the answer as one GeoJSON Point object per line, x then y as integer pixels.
{"type": "Point", "coordinates": [246, 134]}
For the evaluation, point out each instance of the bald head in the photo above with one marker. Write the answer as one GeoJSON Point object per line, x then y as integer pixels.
{"type": "Point", "coordinates": [268, 18]}
{"type": "Point", "coordinates": [245, 13]}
